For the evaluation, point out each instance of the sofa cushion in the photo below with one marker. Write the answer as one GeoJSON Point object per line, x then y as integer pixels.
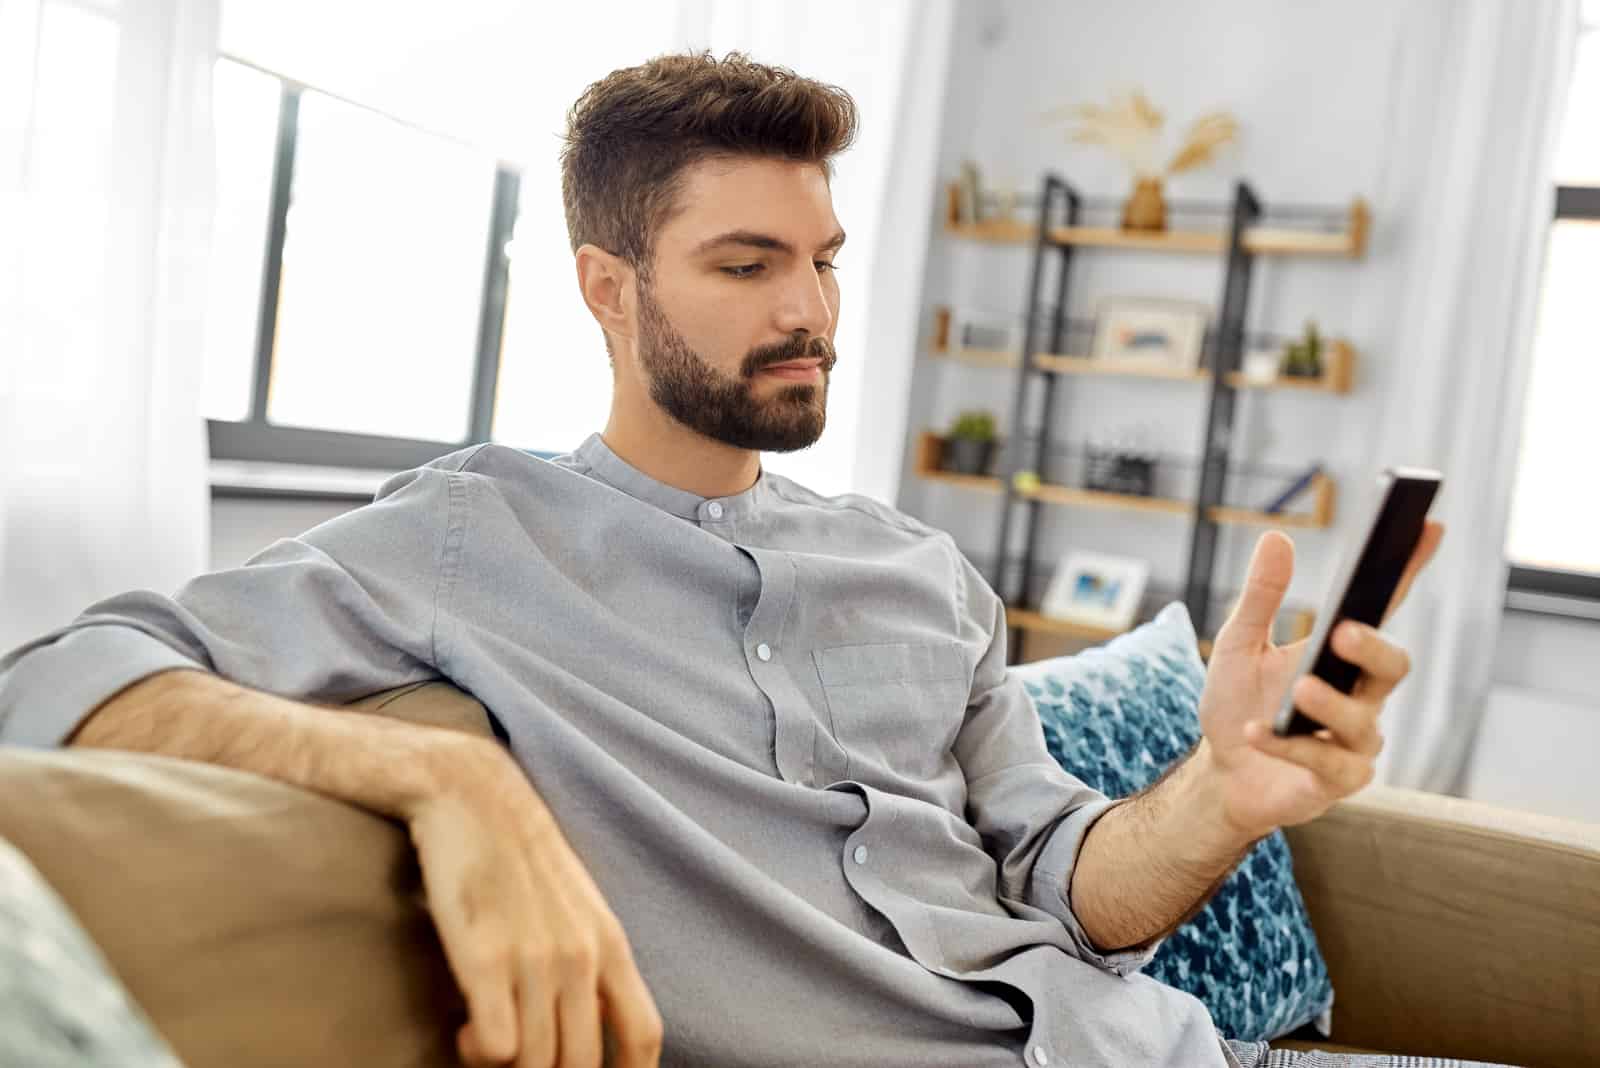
{"type": "Point", "coordinates": [257, 924]}
{"type": "Point", "coordinates": [60, 1007]}
{"type": "Point", "coordinates": [1117, 717]}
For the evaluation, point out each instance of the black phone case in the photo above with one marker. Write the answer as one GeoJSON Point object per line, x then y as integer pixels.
{"type": "Point", "coordinates": [1372, 585]}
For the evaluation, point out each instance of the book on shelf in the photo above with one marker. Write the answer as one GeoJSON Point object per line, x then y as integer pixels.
{"type": "Point", "coordinates": [1297, 487]}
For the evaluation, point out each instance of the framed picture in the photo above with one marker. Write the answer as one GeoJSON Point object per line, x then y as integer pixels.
{"type": "Point", "coordinates": [1153, 333]}
{"type": "Point", "coordinates": [1096, 590]}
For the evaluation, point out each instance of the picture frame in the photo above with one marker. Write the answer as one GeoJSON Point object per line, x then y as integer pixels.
{"type": "Point", "coordinates": [1150, 332]}
{"type": "Point", "coordinates": [1096, 590]}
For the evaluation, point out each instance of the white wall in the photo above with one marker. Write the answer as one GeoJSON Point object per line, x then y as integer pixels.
{"type": "Point", "coordinates": [1334, 100]}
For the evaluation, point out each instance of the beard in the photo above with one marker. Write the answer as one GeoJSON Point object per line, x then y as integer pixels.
{"type": "Point", "coordinates": [725, 407]}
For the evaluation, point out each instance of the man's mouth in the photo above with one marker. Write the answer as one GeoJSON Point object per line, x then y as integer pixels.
{"type": "Point", "coordinates": [795, 370]}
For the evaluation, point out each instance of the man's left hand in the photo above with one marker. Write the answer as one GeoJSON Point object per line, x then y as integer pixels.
{"type": "Point", "coordinates": [1260, 780]}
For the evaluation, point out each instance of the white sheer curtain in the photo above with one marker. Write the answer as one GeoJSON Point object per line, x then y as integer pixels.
{"type": "Point", "coordinates": [1463, 350]}
{"type": "Point", "coordinates": [105, 203]}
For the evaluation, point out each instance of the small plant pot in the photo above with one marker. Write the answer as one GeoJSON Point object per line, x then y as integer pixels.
{"type": "Point", "coordinates": [967, 456]}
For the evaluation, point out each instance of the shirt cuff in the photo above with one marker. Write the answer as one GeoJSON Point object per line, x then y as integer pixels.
{"type": "Point", "coordinates": [1052, 874]}
{"type": "Point", "coordinates": [49, 690]}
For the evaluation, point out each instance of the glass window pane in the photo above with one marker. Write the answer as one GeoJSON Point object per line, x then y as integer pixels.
{"type": "Point", "coordinates": [1578, 152]}
{"type": "Point", "coordinates": [382, 278]}
{"type": "Point", "coordinates": [1555, 515]}
{"type": "Point", "coordinates": [245, 118]}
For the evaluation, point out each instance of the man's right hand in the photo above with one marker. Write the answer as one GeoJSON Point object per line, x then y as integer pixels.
{"type": "Point", "coordinates": [540, 957]}
{"type": "Point", "coordinates": [538, 954]}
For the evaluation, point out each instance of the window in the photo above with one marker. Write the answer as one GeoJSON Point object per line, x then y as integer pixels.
{"type": "Point", "coordinates": [1553, 541]}
{"type": "Point", "coordinates": [382, 277]}
{"type": "Point", "coordinates": [364, 308]}
{"type": "Point", "coordinates": [357, 292]}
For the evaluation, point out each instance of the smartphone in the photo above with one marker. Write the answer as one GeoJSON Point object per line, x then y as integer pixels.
{"type": "Point", "coordinates": [1365, 582]}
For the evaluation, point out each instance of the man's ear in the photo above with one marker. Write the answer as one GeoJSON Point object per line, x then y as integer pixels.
{"type": "Point", "coordinates": [606, 282]}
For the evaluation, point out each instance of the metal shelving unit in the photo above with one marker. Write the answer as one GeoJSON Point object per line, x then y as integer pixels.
{"type": "Point", "coordinates": [1059, 233]}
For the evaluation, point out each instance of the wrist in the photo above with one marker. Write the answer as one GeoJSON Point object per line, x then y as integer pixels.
{"type": "Point", "coordinates": [390, 766]}
{"type": "Point", "coordinates": [449, 764]}
{"type": "Point", "coordinates": [1206, 796]}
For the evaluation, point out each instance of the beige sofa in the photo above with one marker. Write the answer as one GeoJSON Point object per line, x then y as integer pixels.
{"type": "Point", "coordinates": [262, 925]}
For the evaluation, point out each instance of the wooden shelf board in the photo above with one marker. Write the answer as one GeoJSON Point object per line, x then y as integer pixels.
{"type": "Point", "coordinates": [1100, 499]}
{"type": "Point", "coordinates": [988, 483]}
{"type": "Point", "coordinates": [1027, 619]}
{"type": "Point", "coordinates": [1336, 379]}
{"type": "Point", "coordinates": [981, 357]}
{"type": "Point", "coordinates": [1338, 372]}
{"type": "Point", "coordinates": [1250, 517]}
{"type": "Point", "coordinates": [1002, 231]}
{"type": "Point", "coordinates": [1319, 518]}
{"type": "Point", "coordinates": [1267, 241]}
{"type": "Point", "coordinates": [1213, 241]}
{"type": "Point", "coordinates": [927, 467]}
{"type": "Point", "coordinates": [1086, 365]}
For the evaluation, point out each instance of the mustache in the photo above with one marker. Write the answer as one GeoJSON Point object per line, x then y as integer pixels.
{"type": "Point", "coordinates": [798, 347]}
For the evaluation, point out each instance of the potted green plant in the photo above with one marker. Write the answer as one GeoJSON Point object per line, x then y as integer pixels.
{"type": "Point", "coordinates": [1303, 358]}
{"type": "Point", "coordinates": [970, 445]}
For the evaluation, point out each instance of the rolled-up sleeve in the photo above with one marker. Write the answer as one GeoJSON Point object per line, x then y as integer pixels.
{"type": "Point", "coordinates": [1032, 815]}
{"type": "Point", "coordinates": [346, 609]}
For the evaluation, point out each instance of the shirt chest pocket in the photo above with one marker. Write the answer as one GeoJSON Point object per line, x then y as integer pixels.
{"type": "Point", "coordinates": [898, 705]}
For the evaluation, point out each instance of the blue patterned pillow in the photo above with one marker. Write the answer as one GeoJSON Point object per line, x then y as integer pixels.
{"type": "Point", "coordinates": [1116, 717]}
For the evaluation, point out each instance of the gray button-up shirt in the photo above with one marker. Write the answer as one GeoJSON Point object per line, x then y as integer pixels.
{"type": "Point", "coordinates": [776, 726]}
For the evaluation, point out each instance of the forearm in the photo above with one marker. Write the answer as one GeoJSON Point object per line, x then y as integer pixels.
{"type": "Point", "coordinates": [1152, 862]}
{"type": "Point", "coordinates": [378, 764]}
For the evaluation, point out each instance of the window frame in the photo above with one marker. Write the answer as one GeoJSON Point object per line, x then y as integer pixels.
{"type": "Point", "coordinates": [1553, 591]}
{"type": "Point", "coordinates": [257, 439]}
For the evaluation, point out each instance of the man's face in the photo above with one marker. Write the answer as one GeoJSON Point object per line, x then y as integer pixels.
{"type": "Point", "coordinates": [736, 323]}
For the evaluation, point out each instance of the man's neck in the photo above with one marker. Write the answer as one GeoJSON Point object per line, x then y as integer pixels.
{"type": "Point", "coordinates": [677, 456]}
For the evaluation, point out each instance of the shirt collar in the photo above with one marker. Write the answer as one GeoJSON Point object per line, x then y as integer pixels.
{"type": "Point", "coordinates": [617, 473]}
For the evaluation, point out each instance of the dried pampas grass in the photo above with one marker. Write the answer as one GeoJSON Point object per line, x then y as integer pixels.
{"type": "Point", "coordinates": [1130, 128]}
{"type": "Point", "coordinates": [1208, 134]}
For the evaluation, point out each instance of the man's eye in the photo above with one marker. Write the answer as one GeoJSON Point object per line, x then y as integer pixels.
{"type": "Point", "coordinates": [826, 265]}
{"type": "Point", "coordinates": [748, 270]}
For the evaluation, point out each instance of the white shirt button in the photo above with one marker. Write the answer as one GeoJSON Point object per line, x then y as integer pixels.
{"type": "Point", "coordinates": [764, 651]}
{"type": "Point", "coordinates": [860, 854]}
{"type": "Point", "coordinates": [1040, 1057]}
{"type": "Point", "coordinates": [714, 509]}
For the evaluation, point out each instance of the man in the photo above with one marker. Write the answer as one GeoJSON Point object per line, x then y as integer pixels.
{"type": "Point", "coordinates": [768, 795]}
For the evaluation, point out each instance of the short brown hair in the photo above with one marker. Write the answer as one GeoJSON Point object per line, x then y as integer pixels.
{"type": "Point", "coordinates": [632, 133]}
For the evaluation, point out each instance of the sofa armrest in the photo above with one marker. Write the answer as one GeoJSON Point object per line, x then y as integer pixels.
{"type": "Point", "coordinates": [1455, 928]}
{"type": "Point", "coordinates": [255, 923]}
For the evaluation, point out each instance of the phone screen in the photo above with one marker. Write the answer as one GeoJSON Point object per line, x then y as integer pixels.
{"type": "Point", "coordinates": [1390, 542]}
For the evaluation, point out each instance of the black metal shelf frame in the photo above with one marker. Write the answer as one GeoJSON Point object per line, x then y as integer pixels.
{"type": "Point", "coordinates": [1061, 205]}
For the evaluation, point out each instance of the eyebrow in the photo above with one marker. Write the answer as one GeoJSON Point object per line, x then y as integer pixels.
{"type": "Point", "coordinates": [752, 239]}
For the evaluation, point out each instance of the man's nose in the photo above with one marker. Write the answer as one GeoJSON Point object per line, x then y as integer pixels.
{"type": "Point", "coordinates": [805, 306]}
